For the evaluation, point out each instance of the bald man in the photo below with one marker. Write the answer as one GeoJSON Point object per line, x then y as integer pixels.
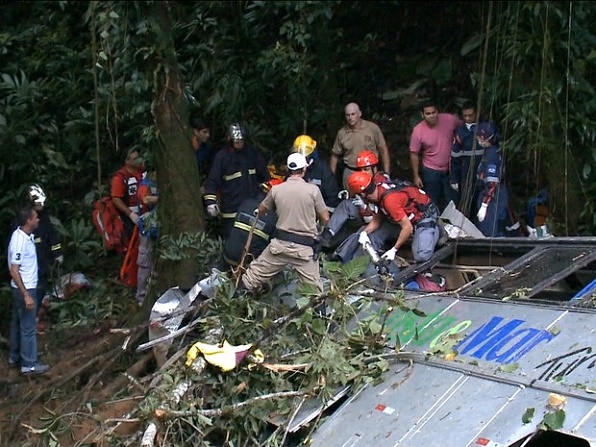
{"type": "Point", "coordinates": [356, 136]}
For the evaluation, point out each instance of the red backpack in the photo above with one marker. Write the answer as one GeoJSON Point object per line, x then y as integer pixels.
{"type": "Point", "coordinates": [109, 225]}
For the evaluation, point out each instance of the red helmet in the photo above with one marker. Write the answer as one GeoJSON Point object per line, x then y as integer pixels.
{"type": "Point", "coordinates": [366, 159]}
{"type": "Point", "coordinates": [361, 182]}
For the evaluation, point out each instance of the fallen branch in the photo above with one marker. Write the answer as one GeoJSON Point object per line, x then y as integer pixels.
{"type": "Point", "coordinates": [171, 335]}
{"type": "Point", "coordinates": [169, 414]}
{"type": "Point", "coordinates": [289, 424]}
{"type": "Point", "coordinates": [277, 367]}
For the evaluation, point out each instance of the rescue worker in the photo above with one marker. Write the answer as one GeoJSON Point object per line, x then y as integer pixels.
{"type": "Point", "coordinates": [125, 183]}
{"type": "Point", "coordinates": [295, 243]}
{"type": "Point", "coordinates": [404, 211]}
{"type": "Point", "coordinates": [148, 197]}
{"type": "Point", "coordinates": [234, 246]}
{"type": "Point", "coordinates": [357, 134]}
{"type": "Point", "coordinates": [353, 209]}
{"type": "Point", "coordinates": [466, 155]}
{"type": "Point", "coordinates": [237, 173]}
{"type": "Point", "coordinates": [47, 246]}
{"type": "Point", "coordinates": [493, 216]}
{"type": "Point", "coordinates": [318, 172]}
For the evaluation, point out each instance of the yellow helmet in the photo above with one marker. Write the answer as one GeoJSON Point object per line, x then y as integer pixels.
{"type": "Point", "coordinates": [304, 145]}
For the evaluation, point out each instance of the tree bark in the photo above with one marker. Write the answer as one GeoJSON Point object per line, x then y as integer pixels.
{"type": "Point", "coordinates": [179, 209]}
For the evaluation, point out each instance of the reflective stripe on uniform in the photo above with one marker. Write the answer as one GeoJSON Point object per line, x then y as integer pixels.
{"type": "Point", "coordinates": [463, 153]}
{"type": "Point", "coordinates": [247, 228]}
{"type": "Point", "coordinates": [210, 197]}
{"type": "Point", "coordinates": [228, 215]}
{"type": "Point", "coordinates": [233, 176]}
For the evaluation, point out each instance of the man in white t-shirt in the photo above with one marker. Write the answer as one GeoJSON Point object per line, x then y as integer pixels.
{"type": "Point", "coordinates": [22, 264]}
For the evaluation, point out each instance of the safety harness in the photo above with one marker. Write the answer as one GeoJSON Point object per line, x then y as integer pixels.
{"type": "Point", "coordinates": [416, 211]}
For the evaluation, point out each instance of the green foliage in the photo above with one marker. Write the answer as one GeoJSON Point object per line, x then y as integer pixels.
{"type": "Point", "coordinates": [206, 250]}
{"type": "Point", "coordinates": [89, 306]}
{"type": "Point", "coordinates": [345, 276]}
{"type": "Point", "coordinates": [77, 93]}
{"type": "Point", "coordinates": [80, 243]}
{"type": "Point", "coordinates": [78, 79]}
{"type": "Point", "coordinates": [538, 87]}
{"type": "Point", "coordinates": [305, 354]}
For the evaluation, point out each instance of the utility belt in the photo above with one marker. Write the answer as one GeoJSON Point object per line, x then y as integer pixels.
{"type": "Point", "coordinates": [308, 241]}
{"type": "Point", "coordinates": [429, 217]}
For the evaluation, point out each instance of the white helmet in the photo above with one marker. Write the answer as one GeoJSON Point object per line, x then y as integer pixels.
{"type": "Point", "coordinates": [296, 161]}
{"type": "Point", "coordinates": [236, 132]}
{"type": "Point", "coordinates": [36, 194]}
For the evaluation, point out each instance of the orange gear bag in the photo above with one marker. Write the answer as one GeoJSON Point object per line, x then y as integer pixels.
{"type": "Point", "coordinates": [109, 225]}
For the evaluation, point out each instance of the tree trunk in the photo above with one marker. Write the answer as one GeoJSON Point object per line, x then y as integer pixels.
{"type": "Point", "coordinates": [180, 206]}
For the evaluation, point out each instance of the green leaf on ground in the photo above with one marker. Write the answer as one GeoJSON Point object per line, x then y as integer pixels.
{"type": "Point", "coordinates": [554, 420]}
{"type": "Point", "coordinates": [528, 415]}
{"type": "Point", "coordinates": [509, 368]}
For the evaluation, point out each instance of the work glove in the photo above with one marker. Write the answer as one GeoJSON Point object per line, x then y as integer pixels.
{"type": "Point", "coordinates": [454, 186]}
{"type": "Point", "coordinates": [482, 212]}
{"type": "Point", "coordinates": [363, 238]}
{"type": "Point", "coordinates": [213, 210]}
{"type": "Point", "coordinates": [343, 194]}
{"type": "Point", "coordinates": [357, 200]}
{"type": "Point", "coordinates": [60, 259]}
{"type": "Point", "coordinates": [134, 217]}
{"type": "Point", "coordinates": [389, 255]}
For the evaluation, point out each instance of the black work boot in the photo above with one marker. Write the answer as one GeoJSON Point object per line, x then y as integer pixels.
{"type": "Point", "coordinates": [325, 238]}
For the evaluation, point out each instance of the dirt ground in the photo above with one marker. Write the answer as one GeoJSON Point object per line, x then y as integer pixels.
{"type": "Point", "coordinates": [83, 389]}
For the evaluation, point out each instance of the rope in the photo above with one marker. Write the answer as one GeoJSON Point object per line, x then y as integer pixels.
{"type": "Point", "coordinates": [545, 45]}
{"type": "Point", "coordinates": [566, 175]}
{"type": "Point", "coordinates": [468, 193]}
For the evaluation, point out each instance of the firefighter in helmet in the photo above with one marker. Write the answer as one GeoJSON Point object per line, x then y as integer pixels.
{"type": "Point", "coordinates": [237, 172]}
{"type": "Point", "coordinates": [48, 247]}
{"type": "Point", "coordinates": [404, 211]}
{"type": "Point", "coordinates": [318, 171]}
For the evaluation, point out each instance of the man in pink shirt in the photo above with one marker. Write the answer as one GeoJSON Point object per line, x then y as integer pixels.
{"type": "Point", "coordinates": [433, 138]}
